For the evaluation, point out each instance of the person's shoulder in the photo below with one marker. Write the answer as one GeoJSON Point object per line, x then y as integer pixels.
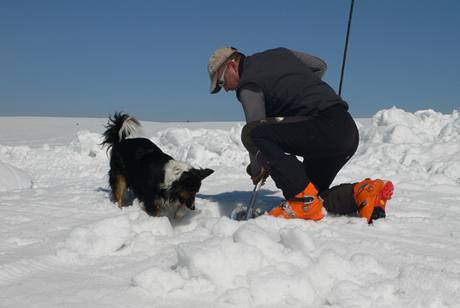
{"type": "Point", "coordinates": [275, 50]}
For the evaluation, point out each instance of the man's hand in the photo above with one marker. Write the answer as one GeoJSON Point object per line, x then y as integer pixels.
{"type": "Point", "coordinates": [260, 176]}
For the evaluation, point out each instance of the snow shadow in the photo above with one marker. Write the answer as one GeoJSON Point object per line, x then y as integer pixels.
{"type": "Point", "coordinates": [227, 201]}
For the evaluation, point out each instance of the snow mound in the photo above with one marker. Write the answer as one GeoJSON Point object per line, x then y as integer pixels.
{"type": "Point", "coordinates": [13, 178]}
{"type": "Point", "coordinates": [421, 145]}
{"type": "Point", "coordinates": [263, 263]}
{"type": "Point", "coordinates": [203, 147]}
{"type": "Point", "coordinates": [87, 143]}
{"type": "Point", "coordinates": [229, 260]}
{"type": "Point", "coordinates": [116, 235]}
{"type": "Point", "coordinates": [398, 126]}
{"type": "Point", "coordinates": [99, 239]}
{"type": "Point", "coordinates": [158, 282]}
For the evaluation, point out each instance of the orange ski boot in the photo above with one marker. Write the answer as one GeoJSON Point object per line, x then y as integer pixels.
{"type": "Point", "coordinates": [306, 205]}
{"type": "Point", "coordinates": [371, 197]}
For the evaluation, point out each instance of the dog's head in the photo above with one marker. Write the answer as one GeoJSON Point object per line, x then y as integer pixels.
{"type": "Point", "coordinates": [181, 183]}
{"type": "Point", "coordinates": [185, 188]}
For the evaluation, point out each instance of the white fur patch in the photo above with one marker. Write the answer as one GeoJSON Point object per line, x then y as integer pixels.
{"type": "Point", "coordinates": [173, 209]}
{"type": "Point", "coordinates": [129, 126]}
{"type": "Point", "coordinates": [173, 171]}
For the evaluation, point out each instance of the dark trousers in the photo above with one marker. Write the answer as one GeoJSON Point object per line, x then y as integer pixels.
{"type": "Point", "coordinates": [325, 141]}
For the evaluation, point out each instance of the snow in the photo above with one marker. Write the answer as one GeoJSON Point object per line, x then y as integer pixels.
{"type": "Point", "coordinates": [13, 178]}
{"type": "Point", "coordinates": [64, 244]}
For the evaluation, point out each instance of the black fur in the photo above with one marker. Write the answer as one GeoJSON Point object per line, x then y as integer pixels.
{"type": "Point", "coordinates": [139, 165]}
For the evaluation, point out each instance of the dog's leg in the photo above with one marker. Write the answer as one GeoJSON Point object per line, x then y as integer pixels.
{"type": "Point", "coordinates": [119, 189]}
{"type": "Point", "coordinates": [151, 206]}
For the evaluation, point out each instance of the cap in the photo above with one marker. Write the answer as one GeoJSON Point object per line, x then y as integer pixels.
{"type": "Point", "coordinates": [215, 61]}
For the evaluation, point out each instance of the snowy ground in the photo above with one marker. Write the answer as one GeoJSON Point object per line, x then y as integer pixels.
{"type": "Point", "coordinates": [64, 244]}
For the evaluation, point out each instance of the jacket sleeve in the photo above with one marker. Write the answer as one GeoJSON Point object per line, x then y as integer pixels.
{"type": "Point", "coordinates": [318, 65]}
{"type": "Point", "coordinates": [253, 102]}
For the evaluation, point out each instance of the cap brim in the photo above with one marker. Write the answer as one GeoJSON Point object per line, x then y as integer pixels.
{"type": "Point", "coordinates": [214, 87]}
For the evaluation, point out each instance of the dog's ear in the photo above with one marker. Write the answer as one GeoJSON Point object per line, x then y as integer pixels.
{"type": "Point", "coordinates": [204, 173]}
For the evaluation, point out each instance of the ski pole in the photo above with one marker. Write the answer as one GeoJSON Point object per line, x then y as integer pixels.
{"type": "Point", "coordinates": [346, 47]}
{"type": "Point", "coordinates": [253, 198]}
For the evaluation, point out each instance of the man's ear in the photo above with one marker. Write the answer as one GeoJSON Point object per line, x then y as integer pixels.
{"type": "Point", "coordinates": [233, 64]}
{"type": "Point", "coordinates": [204, 173]}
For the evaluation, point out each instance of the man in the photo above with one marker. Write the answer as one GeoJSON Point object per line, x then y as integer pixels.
{"type": "Point", "coordinates": [290, 111]}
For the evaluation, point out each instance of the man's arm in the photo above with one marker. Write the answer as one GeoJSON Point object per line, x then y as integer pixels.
{"type": "Point", "coordinates": [253, 102]}
{"type": "Point", "coordinates": [318, 66]}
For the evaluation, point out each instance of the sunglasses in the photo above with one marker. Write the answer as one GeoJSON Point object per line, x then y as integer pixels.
{"type": "Point", "coordinates": [221, 81]}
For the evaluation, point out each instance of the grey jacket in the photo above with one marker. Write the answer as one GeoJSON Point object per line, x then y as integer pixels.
{"type": "Point", "coordinates": [253, 101]}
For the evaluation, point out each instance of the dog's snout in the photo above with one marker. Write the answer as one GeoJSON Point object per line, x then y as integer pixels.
{"type": "Point", "coordinates": [190, 204]}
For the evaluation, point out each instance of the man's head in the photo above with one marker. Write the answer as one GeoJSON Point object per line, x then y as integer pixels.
{"type": "Point", "coordinates": [223, 69]}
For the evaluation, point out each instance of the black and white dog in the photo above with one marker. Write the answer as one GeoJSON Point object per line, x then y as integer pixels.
{"type": "Point", "coordinates": [165, 186]}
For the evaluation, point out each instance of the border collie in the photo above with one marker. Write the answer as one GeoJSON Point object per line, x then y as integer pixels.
{"type": "Point", "coordinates": [165, 186]}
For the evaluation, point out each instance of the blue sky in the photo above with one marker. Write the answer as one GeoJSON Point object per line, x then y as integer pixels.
{"type": "Point", "coordinates": [148, 58]}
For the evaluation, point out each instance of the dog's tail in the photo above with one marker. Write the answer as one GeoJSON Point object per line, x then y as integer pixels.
{"type": "Point", "coordinates": [118, 128]}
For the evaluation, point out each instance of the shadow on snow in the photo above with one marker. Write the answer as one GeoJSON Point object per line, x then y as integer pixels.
{"type": "Point", "coordinates": [228, 201]}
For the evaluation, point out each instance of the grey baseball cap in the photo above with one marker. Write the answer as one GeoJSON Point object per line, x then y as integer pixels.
{"type": "Point", "coordinates": [215, 61]}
